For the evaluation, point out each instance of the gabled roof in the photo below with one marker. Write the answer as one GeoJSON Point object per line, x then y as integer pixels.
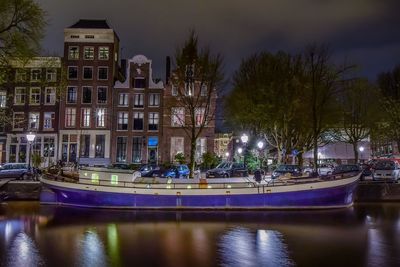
{"type": "Point", "coordinates": [91, 24]}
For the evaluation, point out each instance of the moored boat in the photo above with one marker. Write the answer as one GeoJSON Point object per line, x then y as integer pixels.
{"type": "Point", "coordinates": [294, 193]}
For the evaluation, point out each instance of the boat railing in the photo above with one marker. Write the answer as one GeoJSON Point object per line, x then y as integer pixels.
{"type": "Point", "coordinates": [195, 184]}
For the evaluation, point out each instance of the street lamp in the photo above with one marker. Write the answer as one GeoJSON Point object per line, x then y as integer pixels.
{"type": "Point", "coordinates": [361, 148]}
{"type": "Point", "coordinates": [30, 137]}
{"type": "Point", "coordinates": [227, 155]}
{"type": "Point", "coordinates": [244, 138]}
{"type": "Point", "coordinates": [240, 150]}
{"type": "Point", "coordinates": [260, 144]}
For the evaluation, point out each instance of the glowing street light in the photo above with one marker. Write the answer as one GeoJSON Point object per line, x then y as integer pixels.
{"type": "Point", "coordinates": [260, 144]}
{"type": "Point", "coordinates": [244, 138]}
{"type": "Point", "coordinates": [361, 148]}
{"type": "Point", "coordinates": [30, 137]}
{"type": "Point", "coordinates": [240, 150]}
{"type": "Point", "coordinates": [227, 154]}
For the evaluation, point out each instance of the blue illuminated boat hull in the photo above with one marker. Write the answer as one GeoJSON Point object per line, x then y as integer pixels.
{"type": "Point", "coordinates": [320, 195]}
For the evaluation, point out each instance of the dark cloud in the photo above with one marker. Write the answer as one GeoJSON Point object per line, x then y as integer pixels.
{"type": "Point", "coordinates": [365, 32]}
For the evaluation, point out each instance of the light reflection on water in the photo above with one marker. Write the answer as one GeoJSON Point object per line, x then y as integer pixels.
{"type": "Point", "coordinates": [90, 250]}
{"type": "Point", "coordinates": [243, 247]}
{"type": "Point", "coordinates": [49, 236]}
{"type": "Point", "coordinates": [23, 252]}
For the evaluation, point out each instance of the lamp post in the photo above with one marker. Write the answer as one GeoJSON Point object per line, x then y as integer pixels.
{"type": "Point", "coordinates": [244, 138]}
{"type": "Point", "coordinates": [30, 137]}
{"type": "Point", "coordinates": [227, 155]}
{"type": "Point", "coordinates": [260, 146]}
{"type": "Point", "coordinates": [240, 150]}
{"type": "Point", "coordinates": [361, 149]}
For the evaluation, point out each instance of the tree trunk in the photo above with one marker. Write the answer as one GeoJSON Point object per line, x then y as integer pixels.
{"type": "Point", "coordinates": [315, 152]}
{"type": "Point", "coordinates": [355, 148]}
{"type": "Point", "coordinates": [192, 159]}
{"type": "Point", "coordinates": [300, 158]}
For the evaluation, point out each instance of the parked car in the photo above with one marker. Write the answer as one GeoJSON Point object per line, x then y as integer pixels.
{"type": "Point", "coordinates": [179, 171]}
{"type": "Point", "coordinates": [147, 170]}
{"type": "Point", "coordinates": [346, 168]}
{"type": "Point", "coordinates": [386, 170]}
{"type": "Point", "coordinates": [120, 166]}
{"type": "Point", "coordinates": [284, 169]}
{"type": "Point", "coordinates": [228, 169]}
{"type": "Point", "coordinates": [15, 170]}
{"type": "Point", "coordinates": [323, 169]}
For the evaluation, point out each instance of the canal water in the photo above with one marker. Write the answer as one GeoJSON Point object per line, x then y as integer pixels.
{"type": "Point", "coordinates": [34, 235]}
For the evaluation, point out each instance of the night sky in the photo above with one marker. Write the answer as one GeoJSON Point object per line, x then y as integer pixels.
{"type": "Point", "coordinates": [363, 32]}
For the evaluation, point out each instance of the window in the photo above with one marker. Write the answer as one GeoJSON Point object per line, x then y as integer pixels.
{"type": "Point", "coordinates": [188, 89]}
{"type": "Point", "coordinates": [101, 95]}
{"type": "Point", "coordinates": [153, 121]}
{"type": "Point", "coordinates": [51, 75]}
{"type": "Point", "coordinates": [48, 120]}
{"type": "Point", "coordinates": [101, 117]}
{"type": "Point", "coordinates": [70, 117]}
{"type": "Point", "coordinates": [88, 52]}
{"type": "Point", "coordinates": [48, 146]}
{"type": "Point", "coordinates": [121, 148]}
{"type": "Point", "coordinates": [176, 146]}
{"type": "Point", "coordinates": [86, 95]}
{"type": "Point", "coordinates": [123, 99]}
{"type": "Point", "coordinates": [138, 101]}
{"type": "Point", "coordinates": [103, 73]}
{"type": "Point", "coordinates": [174, 90]}
{"type": "Point", "coordinates": [104, 53]}
{"type": "Point", "coordinates": [18, 120]}
{"type": "Point", "coordinates": [177, 116]}
{"type": "Point", "coordinates": [72, 72]}
{"type": "Point", "coordinates": [34, 98]}
{"type": "Point", "coordinates": [87, 73]}
{"type": "Point", "coordinates": [71, 94]}
{"type": "Point", "coordinates": [34, 120]}
{"type": "Point", "coordinates": [203, 90]}
{"type": "Point", "coordinates": [123, 120]}
{"type": "Point", "coordinates": [73, 52]}
{"type": "Point", "coordinates": [3, 99]}
{"type": "Point", "coordinates": [199, 116]}
{"type": "Point", "coordinates": [154, 100]}
{"type": "Point", "coordinates": [84, 146]}
{"type": "Point", "coordinates": [35, 75]}
{"type": "Point", "coordinates": [137, 149]}
{"type": "Point", "coordinates": [85, 117]}
{"type": "Point", "coordinates": [50, 96]}
{"type": "Point", "coordinates": [89, 36]}
{"type": "Point", "coordinates": [138, 120]}
{"type": "Point", "coordinates": [201, 148]}
{"type": "Point", "coordinates": [20, 75]}
{"type": "Point", "coordinates": [19, 96]}
{"type": "Point", "coordinates": [139, 82]}
{"type": "Point", "coordinates": [100, 146]}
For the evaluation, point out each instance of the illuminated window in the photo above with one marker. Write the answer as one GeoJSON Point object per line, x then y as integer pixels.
{"type": "Point", "coordinates": [177, 116]}
{"type": "Point", "coordinates": [104, 53]}
{"type": "Point", "coordinates": [95, 178]}
{"type": "Point", "coordinates": [88, 52]}
{"type": "Point", "coordinates": [35, 96]}
{"type": "Point", "coordinates": [73, 52]}
{"type": "Point", "coordinates": [114, 179]}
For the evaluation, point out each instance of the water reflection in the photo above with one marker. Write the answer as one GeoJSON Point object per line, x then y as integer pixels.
{"type": "Point", "coordinates": [242, 247]}
{"type": "Point", "coordinates": [90, 250]}
{"type": "Point", "coordinates": [367, 235]}
{"type": "Point", "coordinates": [23, 252]}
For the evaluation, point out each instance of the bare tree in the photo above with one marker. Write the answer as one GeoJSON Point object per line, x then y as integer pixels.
{"type": "Point", "coordinates": [196, 77]}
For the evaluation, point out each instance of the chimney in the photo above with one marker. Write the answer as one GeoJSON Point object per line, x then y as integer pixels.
{"type": "Point", "coordinates": [167, 70]}
{"type": "Point", "coordinates": [123, 67]}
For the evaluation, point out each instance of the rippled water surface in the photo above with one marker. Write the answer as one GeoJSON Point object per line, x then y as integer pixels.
{"type": "Point", "coordinates": [34, 235]}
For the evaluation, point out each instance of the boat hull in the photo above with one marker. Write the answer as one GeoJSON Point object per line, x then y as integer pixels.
{"type": "Point", "coordinates": [321, 195]}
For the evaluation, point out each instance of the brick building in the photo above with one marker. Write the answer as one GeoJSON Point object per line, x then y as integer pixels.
{"type": "Point", "coordinates": [91, 56]}
{"type": "Point", "coordinates": [176, 119]}
{"type": "Point", "coordinates": [137, 111]}
{"type": "Point", "coordinates": [30, 99]}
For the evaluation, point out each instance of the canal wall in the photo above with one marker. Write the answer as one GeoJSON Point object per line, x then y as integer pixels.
{"type": "Point", "coordinates": [366, 191]}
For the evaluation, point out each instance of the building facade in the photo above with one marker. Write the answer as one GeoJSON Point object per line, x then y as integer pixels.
{"type": "Point", "coordinates": [91, 56]}
{"type": "Point", "coordinates": [30, 98]}
{"type": "Point", "coordinates": [137, 111]}
{"type": "Point", "coordinates": [177, 119]}
{"type": "Point", "coordinates": [222, 145]}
